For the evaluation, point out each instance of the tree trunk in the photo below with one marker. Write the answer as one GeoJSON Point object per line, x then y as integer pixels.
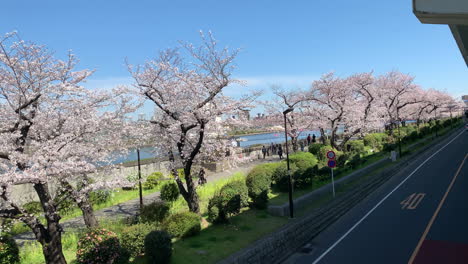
{"type": "Point", "coordinates": [192, 201]}
{"type": "Point", "coordinates": [294, 143]}
{"type": "Point", "coordinates": [88, 214]}
{"type": "Point", "coordinates": [50, 237]}
{"type": "Point", "coordinates": [322, 136]}
{"type": "Point", "coordinates": [52, 246]}
{"type": "Point", "coordinates": [333, 138]}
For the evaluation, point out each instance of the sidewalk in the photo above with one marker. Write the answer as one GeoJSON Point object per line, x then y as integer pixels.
{"type": "Point", "coordinates": [131, 207]}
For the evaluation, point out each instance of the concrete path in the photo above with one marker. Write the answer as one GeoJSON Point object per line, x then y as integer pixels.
{"type": "Point", "coordinates": [131, 207]}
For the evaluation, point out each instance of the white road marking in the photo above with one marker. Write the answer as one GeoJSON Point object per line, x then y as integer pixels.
{"type": "Point", "coordinates": [381, 201]}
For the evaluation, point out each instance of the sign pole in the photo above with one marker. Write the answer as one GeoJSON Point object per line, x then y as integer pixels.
{"type": "Point", "coordinates": [333, 183]}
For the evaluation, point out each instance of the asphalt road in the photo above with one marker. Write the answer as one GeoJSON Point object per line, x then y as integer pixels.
{"type": "Point", "coordinates": [419, 216]}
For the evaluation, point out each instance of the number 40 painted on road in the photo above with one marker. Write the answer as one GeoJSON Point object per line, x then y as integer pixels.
{"type": "Point", "coordinates": [412, 201]}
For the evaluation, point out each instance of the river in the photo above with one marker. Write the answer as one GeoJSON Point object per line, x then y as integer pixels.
{"type": "Point", "coordinates": [248, 140]}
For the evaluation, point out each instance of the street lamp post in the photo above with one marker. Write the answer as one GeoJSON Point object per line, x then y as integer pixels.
{"type": "Point", "coordinates": [291, 205]}
{"type": "Point", "coordinates": [139, 179]}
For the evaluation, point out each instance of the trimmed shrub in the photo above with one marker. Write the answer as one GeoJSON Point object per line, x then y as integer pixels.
{"type": "Point", "coordinates": [315, 148]}
{"type": "Point", "coordinates": [355, 161]}
{"type": "Point", "coordinates": [228, 201]}
{"type": "Point", "coordinates": [152, 180]}
{"type": "Point", "coordinates": [375, 140]}
{"type": "Point", "coordinates": [356, 147]}
{"type": "Point", "coordinates": [133, 238]}
{"type": "Point", "coordinates": [169, 192]}
{"type": "Point", "coordinates": [154, 212]}
{"type": "Point", "coordinates": [258, 183]}
{"type": "Point", "coordinates": [342, 159]}
{"type": "Point", "coordinates": [215, 214]}
{"type": "Point", "coordinates": [281, 178]}
{"type": "Point", "coordinates": [183, 224]}
{"type": "Point", "coordinates": [303, 160]}
{"type": "Point", "coordinates": [100, 246]}
{"type": "Point", "coordinates": [9, 252]}
{"type": "Point", "coordinates": [33, 207]}
{"type": "Point", "coordinates": [158, 247]}
{"type": "Point", "coordinates": [304, 178]}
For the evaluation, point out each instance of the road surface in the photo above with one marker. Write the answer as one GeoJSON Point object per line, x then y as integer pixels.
{"type": "Point", "coordinates": [419, 216]}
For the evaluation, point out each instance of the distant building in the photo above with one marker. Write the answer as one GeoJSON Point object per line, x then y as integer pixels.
{"type": "Point", "coordinates": [141, 117]}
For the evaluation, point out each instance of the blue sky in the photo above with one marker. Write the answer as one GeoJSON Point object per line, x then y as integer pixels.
{"type": "Point", "coordinates": [287, 43]}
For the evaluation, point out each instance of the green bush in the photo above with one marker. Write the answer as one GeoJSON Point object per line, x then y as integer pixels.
{"type": "Point", "coordinates": [183, 224]}
{"type": "Point", "coordinates": [152, 180]}
{"type": "Point", "coordinates": [100, 196]}
{"type": "Point", "coordinates": [158, 247]}
{"type": "Point", "coordinates": [133, 238]}
{"type": "Point", "coordinates": [315, 148]}
{"type": "Point", "coordinates": [154, 212]}
{"type": "Point", "coordinates": [181, 173]}
{"type": "Point", "coordinates": [322, 155]}
{"type": "Point", "coordinates": [9, 252]}
{"type": "Point", "coordinates": [258, 183]}
{"type": "Point", "coordinates": [33, 207]}
{"type": "Point", "coordinates": [303, 160]}
{"type": "Point", "coordinates": [281, 178]}
{"type": "Point", "coordinates": [376, 140]}
{"type": "Point", "coordinates": [228, 201]}
{"type": "Point", "coordinates": [356, 147]}
{"type": "Point", "coordinates": [65, 203]}
{"type": "Point", "coordinates": [100, 246]}
{"type": "Point", "coordinates": [304, 178]}
{"type": "Point", "coordinates": [170, 192]}
{"type": "Point", "coordinates": [355, 162]}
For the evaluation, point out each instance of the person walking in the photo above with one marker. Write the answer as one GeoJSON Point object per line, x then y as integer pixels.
{"type": "Point", "coordinates": [280, 152]}
{"type": "Point", "coordinates": [264, 151]}
{"type": "Point", "coordinates": [273, 150]}
{"type": "Point", "coordinates": [313, 139]}
{"type": "Point", "coordinates": [201, 177]}
{"type": "Point", "coordinates": [308, 140]}
{"type": "Point", "coordinates": [302, 145]}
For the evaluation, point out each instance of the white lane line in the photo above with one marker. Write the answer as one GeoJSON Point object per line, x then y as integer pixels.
{"type": "Point", "coordinates": [381, 201]}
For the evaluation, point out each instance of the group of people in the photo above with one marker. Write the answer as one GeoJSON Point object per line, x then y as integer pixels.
{"type": "Point", "coordinates": [277, 149]}
{"type": "Point", "coordinates": [274, 149]}
{"type": "Point", "coordinates": [311, 139]}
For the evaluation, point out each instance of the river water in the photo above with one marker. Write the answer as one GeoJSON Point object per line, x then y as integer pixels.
{"type": "Point", "coordinates": [246, 141]}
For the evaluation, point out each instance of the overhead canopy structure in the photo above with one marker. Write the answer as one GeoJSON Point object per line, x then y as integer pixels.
{"type": "Point", "coordinates": [450, 12]}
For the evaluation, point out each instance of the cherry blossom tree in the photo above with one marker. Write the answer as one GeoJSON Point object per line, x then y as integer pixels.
{"type": "Point", "coordinates": [364, 113]}
{"type": "Point", "coordinates": [396, 92]}
{"type": "Point", "coordinates": [296, 120]}
{"type": "Point", "coordinates": [53, 132]}
{"type": "Point", "coordinates": [186, 86]}
{"type": "Point", "coordinates": [330, 100]}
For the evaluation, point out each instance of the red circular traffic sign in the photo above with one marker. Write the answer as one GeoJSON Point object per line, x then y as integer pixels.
{"type": "Point", "coordinates": [331, 154]}
{"type": "Point", "coordinates": [331, 163]}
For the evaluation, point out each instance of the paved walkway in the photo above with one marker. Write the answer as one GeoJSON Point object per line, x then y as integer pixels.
{"type": "Point", "coordinates": [131, 207]}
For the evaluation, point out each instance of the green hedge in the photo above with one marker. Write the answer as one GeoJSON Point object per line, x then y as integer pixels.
{"type": "Point", "coordinates": [154, 212]}
{"type": "Point", "coordinates": [132, 238]}
{"type": "Point", "coordinates": [303, 160]}
{"type": "Point", "coordinates": [183, 224]}
{"type": "Point", "coordinates": [158, 247]}
{"type": "Point", "coordinates": [258, 183]}
{"type": "Point", "coordinates": [228, 201]}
